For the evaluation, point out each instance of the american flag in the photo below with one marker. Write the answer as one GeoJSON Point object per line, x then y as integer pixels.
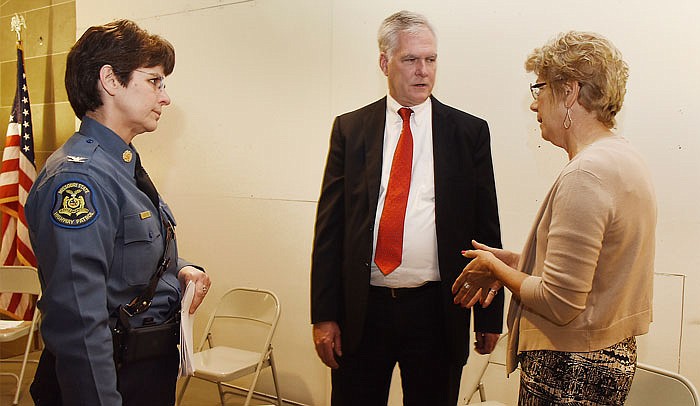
{"type": "Point", "coordinates": [16, 177]}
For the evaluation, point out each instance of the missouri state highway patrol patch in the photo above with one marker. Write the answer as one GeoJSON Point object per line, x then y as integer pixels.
{"type": "Point", "coordinates": [73, 206]}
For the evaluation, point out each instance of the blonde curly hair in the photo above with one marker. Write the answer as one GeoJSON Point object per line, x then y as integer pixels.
{"type": "Point", "coordinates": [592, 61]}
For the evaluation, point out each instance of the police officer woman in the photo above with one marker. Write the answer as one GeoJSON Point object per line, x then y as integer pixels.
{"type": "Point", "coordinates": [100, 232]}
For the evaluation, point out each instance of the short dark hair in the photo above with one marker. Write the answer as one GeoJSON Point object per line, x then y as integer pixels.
{"type": "Point", "coordinates": [121, 44]}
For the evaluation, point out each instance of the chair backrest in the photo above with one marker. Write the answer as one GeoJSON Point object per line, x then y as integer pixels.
{"type": "Point", "coordinates": [244, 318]}
{"type": "Point", "coordinates": [656, 386]}
{"type": "Point", "coordinates": [474, 371]}
{"type": "Point", "coordinates": [473, 374]}
{"type": "Point", "coordinates": [19, 279]}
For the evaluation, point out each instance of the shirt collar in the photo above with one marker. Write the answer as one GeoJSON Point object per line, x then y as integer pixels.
{"type": "Point", "coordinates": [421, 111]}
{"type": "Point", "coordinates": [110, 142]}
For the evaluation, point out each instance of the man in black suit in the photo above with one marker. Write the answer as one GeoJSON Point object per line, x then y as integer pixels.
{"type": "Point", "coordinates": [369, 313]}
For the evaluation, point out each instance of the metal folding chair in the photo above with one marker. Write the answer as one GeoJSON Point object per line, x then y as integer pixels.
{"type": "Point", "coordinates": [20, 279]}
{"type": "Point", "coordinates": [238, 340]}
{"type": "Point", "coordinates": [656, 386]}
{"type": "Point", "coordinates": [473, 376]}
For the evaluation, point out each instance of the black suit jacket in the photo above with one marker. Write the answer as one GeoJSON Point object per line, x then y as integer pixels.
{"type": "Point", "coordinates": [465, 209]}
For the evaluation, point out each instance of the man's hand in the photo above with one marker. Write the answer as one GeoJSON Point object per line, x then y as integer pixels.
{"type": "Point", "coordinates": [327, 342]}
{"type": "Point", "coordinates": [485, 342]}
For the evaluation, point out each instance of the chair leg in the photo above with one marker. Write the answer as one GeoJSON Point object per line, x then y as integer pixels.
{"type": "Point", "coordinates": [21, 375]}
{"type": "Point", "coordinates": [482, 392]}
{"type": "Point", "coordinates": [252, 385]}
{"type": "Point", "coordinates": [182, 391]}
{"type": "Point", "coordinates": [221, 393]}
{"type": "Point", "coordinates": [26, 356]}
{"type": "Point", "coordinates": [18, 383]}
{"type": "Point", "coordinates": [274, 379]}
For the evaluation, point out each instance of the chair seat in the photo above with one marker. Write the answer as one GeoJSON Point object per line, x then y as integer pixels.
{"type": "Point", "coordinates": [224, 363]}
{"type": "Point", "coordinates": [13, 333]}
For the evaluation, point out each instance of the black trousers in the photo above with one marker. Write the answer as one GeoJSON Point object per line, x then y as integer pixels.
{"type": "Point", "coordinates": [145, 383]}
{"type": "Point", "coordinates": [403, 326]}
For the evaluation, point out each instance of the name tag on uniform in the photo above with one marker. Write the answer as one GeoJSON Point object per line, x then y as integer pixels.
{"type": "Point", "coordinates": [145, 214]}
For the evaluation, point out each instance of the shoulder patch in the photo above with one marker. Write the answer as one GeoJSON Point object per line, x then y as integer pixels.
{"type": "Point", "coordinates": [73, 205]}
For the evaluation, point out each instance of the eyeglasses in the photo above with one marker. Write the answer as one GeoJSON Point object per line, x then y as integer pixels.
{"type": "Point", "coordinates": [157, 80]}
{"type": "Point", "coordinates": [535, 89]}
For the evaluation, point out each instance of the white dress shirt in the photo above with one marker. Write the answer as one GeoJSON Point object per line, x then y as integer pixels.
{"type": "Point", "coordinates": [419, 259]}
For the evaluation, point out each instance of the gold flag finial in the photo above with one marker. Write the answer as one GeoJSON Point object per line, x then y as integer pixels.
{"type": "Point", "coordinates": [17, 23]}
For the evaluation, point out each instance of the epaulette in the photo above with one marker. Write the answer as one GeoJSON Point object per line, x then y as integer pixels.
{"type": "Point", "coordinates": [80, 148]}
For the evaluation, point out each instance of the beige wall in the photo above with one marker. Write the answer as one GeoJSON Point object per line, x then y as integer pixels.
{"type": "Point", "coordinates": [49, 34]}
{"type": "Point", "coordinates": [240, 152]}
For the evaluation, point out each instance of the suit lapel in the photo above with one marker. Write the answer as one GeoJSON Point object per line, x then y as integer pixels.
{"type": "Point", "coordinates": [443, 130]}
{"type": "Point", "coordinates": [443, 147]}
{"type": "Point", "coordinates": [374, 146]}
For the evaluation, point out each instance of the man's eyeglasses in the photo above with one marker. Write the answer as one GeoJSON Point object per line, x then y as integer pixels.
{"type": "Point", "coordinates": [535, 89]}
{"type": "Point", "coordinates": [157, 80]}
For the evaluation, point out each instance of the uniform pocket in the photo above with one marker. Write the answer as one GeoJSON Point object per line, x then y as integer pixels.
{"type": "Point", "coordinates": [143, 247]}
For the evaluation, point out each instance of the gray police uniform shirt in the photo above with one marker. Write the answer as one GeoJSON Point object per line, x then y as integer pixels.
{"type": "Point", "coordinates": [97, 239]}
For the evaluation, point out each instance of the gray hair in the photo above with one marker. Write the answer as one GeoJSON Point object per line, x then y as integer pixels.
{"type": "Point", "coordinates": [402, 21]}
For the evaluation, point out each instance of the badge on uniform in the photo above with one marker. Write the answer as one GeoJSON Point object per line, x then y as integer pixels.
{"type": "Point", "coordinates": [73, 206]}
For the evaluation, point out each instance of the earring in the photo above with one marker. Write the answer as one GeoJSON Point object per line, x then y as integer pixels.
{"type": "Point", "coordinates": [567, 119]}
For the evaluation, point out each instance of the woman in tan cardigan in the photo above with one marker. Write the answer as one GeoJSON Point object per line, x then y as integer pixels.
{"type": "Point", "coordinates": [582, 286]}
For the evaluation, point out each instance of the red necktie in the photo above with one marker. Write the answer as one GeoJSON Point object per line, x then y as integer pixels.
{"type": "Point", "coordinates": [390, 235]}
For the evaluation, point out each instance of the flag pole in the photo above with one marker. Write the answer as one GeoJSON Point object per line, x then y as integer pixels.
{"type": "Point", "coordinates": [17, 175]}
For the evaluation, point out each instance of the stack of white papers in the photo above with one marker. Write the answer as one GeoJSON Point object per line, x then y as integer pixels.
{"type": "Point", "coordinates": [186, 324]}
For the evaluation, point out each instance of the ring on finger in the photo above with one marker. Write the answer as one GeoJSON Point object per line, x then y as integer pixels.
{"type": "Point", "coordinates": [466, 285]}
{"type": "Point", "coordinates": [493, 292]}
